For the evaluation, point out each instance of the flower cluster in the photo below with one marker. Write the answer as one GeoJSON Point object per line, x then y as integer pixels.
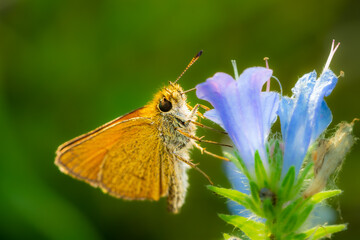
{"type": "Point", "coordinates": [267, 173]}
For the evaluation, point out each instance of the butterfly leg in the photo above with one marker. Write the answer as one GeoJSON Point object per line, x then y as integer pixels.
{"type": "Point", "coordinates": [191, 164]}
{"type": "Point", "coordinates": [204, 107]}
{"type": "Point", "coordinates": [200, 105]}
{"type": "Point", "coordinates": [204, 126]}
{"type": "Point", "coordinates": [196, 107]}
{"type": "Point", "coordinates": [200, 139]}
{"type": "Point", "coordinates": [196, 112]}
{"type": "Point", "coordinates": [203, 150]}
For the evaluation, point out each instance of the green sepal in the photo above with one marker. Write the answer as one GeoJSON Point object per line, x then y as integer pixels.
{"type": "Point", "coordinates": [269, 211]}
{"type": "Point", "coordinates": [300, 236]}
{"type": "Point", "coordinates": [277, 163]}
{"type": "Point", "coordinates": [287, 185]}
{"type": "Point", "coordinates": [289, 210]}
{"type": "Point", "coordinates": [254, 230]}
{"type": "Point", "coordinates": [289, 225]}
{"type": "Point", "coordinates": [302, 176]}
{"type": "Point", "coordinates": [260, 172]}
{"type": "Point", "coordinates": [321, 196]}
{"type": "Point", "coordinates": [254, 192]}
{"type": "Point", "coordinates": [236, 196]}
{"type": "Point", "coordinates": [303, 216]}
{"type": "Point", "coordinates": [267, 147]}
{"type": "Point", "coordinates": [297, 219]}
{"type": "Point", "coordinates": [323, 231]}
{"type": "Point", "coordinates": [254, 189]}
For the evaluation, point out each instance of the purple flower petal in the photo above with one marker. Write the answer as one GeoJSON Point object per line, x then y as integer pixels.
{"type": "Point", "coordinates": [214, 116]}
{"type": "Point", "coordinates": [242, 109]}
{"type": "Point", "coordinates": [305, 116]}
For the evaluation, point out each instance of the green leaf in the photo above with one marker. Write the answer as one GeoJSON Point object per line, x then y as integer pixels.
{"type": "Point", "coordinates": [243, 168]}
{"type": "Point", "coordinates": [321, 196]}
{"type": "Point", "coordinates": [254, 207]}
{"type": "Point", "coordinates": [231, 194]}
{"type": "Point", "coordinates": [254, 230]}
{"type": "Point", "coordinates": [287, 184]}
{"type": "Point", "coordinates": [239, 163]}
{"type": "Point", "coordinates": [261, 176]}
{"type": "Point", "coordinates": [233, 159]}
{"type": "Point", "coordinates": [323, 231]}
{"type": "Point", "coordinates": [227, 236]}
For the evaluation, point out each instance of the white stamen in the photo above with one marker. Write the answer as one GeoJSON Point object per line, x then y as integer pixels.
{"type": "Point", "coordinates": [331, 55]}
{"type": "Point", "coordinates": [236, 73]}
{"type": "Point", "coordinates": [281, 90]}
{"type": "Point", "coordinates": [268, 81]}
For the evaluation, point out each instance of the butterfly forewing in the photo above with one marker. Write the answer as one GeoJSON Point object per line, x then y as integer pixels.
{"type": "Point", "coordinates": [83, 156]}
{"type": "Point", "coordinates": [69, 144]}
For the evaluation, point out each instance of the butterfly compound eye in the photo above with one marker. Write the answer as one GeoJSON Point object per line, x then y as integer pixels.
{"type": "Point", "coordinates": [165, 105]}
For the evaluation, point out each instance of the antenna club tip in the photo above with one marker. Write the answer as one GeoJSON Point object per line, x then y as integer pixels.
{"type": "Point", "coordinates": [199, 53]}
{"type": "Point", "coordinates": [266, 58]}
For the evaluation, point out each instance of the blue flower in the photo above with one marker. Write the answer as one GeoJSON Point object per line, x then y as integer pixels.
{"type": "Point", "coordinates": [242, 109]}
{"type": "Point", "coordinates": [246, 113]}
{"type": "Point", "coordinates": [305, 116]}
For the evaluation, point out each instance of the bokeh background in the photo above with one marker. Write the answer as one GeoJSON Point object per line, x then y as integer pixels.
{"type": "Point", "coordinates": [67, 67]}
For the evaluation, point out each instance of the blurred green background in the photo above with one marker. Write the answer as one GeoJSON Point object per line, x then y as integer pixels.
{"type": "Point", "coordinates": [67, 67]}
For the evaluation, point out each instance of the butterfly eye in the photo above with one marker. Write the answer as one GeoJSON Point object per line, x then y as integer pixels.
{"type": "Point", "coordinates": [165, 105]}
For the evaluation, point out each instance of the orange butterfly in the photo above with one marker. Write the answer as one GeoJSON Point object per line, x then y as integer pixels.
{"type": "Point", "coordinates": [141, 155]}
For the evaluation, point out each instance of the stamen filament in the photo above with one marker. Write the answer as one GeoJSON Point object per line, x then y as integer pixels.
{"type": "Point", "coordinates": [331, 55]}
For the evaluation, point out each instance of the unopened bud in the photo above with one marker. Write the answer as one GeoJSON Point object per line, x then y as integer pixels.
{"type": "Point", "coordinates": [329, 155]}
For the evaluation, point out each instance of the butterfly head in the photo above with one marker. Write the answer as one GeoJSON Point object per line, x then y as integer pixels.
{"type": "Point", "coordinates": [170, 99]}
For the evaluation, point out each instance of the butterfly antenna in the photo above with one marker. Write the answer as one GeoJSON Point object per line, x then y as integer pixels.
{"type": "Point", "coordinates": [193, 60]}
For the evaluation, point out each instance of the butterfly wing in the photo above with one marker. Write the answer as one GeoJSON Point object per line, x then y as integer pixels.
{"type": "Point", "coordinates": [137, 168]}
{"type": "Point", "coordinates": [136, 113]}
{"type": "Point", "coordinates": [127, 159]}
{"type": "Point", "coordinates": [124, 158]}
